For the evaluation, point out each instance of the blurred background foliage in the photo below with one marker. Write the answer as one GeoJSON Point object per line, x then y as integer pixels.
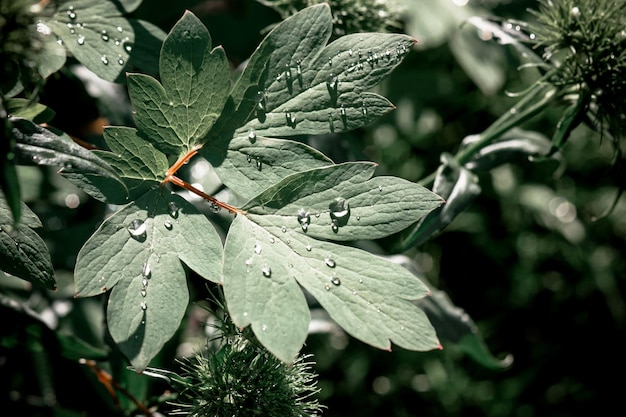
{"type": "Point", "coordinates": [532, 261]}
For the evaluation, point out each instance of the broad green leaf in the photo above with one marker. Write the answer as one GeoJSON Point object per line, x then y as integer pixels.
{"type": "Point", "coordinates": [177, 115]}
{"type": "Point", "coordinates": [313, 88]}
{"type": "Point", "coordinates": [366, 295]}
{"type": "Point", "coordinates": [100, 37]}
{"type": "Point", "coordinates": [140, 164]}
{"type": "Point", "coordinates": [253, 163]}
{"type": "Point", "coordinates": [341, 202]}
{"type": "Point", "coordinates": [138, 252]}
{"type": "Point", "coordinates": [22, 252]}
{"type": "Point", "coordinates": [36, 145]}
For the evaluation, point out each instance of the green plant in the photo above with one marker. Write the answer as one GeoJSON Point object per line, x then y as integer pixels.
{"type": "Point", "coordinates": [282, 229]}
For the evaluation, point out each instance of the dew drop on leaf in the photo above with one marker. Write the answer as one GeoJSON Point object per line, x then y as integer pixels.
{"type": "Point", "coordinates": [168, 224]}
{"type": "Point", "coordinates": [330, 262]}
{"type": "Point", "coordinates": [144, 293]}
{"type": "Point", "coordinates": [283, 229]}
{"type": "Point", "coordinates": [120, 60]}
{"type": "Point", "coordinates": [259, 164]}
{"type": "Point", "coordinates": [80, 40]}
{"type": "Point", "coordinates": [173, 209]}
{"type": "Point", "coordinates": [252, 135]}
{"type": "Point", "coordinates": [335, 281]}
{"type": "Point", "coordinates": [339, 212]}
{"type": "Point", "coordinates": [327, 287]}
{"type": "Point", "coordinates": [104, 60]}
{"type": "Point", "coordinates": [257, 248]}
{"type": "Point", "coordinates": [120, 29]}
{"type": "Point", "coordinates": [309, 247]}
{"type": "Point", "coordinates": [304, 219]}
{"type": "Point", "coordinates": [267, 271]}
{"type": "Point", "coordinates": [137, 228]}
{"type": "Point", "coordinates": [146, 271]}
{"type": "Point", "coordinates": [334, 226]}
{"type": "Point", "coordinates": [264, 327]}
{"type": "Point", "coordinates": [143, 305]}
{"type": "Point", "coordinates": [104, 35]}
{"type": "Point", "coordinates": [144, 282]}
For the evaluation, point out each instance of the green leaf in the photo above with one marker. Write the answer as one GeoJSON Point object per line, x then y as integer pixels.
{"type": "Point", "coordinates": [138, 253]}
{"type": "Point", "coordinates": [178, 114]}
{"type": "Point", "coordinates": [140, 164]}
{"type": "Point", "coordinates": [366, 295]}
{"type": "Point", "coordinates": [23, 108]}
{"type": "Point", "coordinates": [253, 163]}
{"type": "Point", "coordinates": [281, 242]}
{"type": "Point", "coordinates": [305, 87]}
{"type": "Point", "coordinates": [22, 252]}
{"type": "Point", "coordinates": [343, 202]}
{"type": "Point", "coordinates": [39, 146]}
{"type": "Point", "coordinates": [97, 34]}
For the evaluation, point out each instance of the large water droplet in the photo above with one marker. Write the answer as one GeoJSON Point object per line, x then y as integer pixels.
{"type": "Point", "coordinates": [304, 218]}
{"type": "Point", "coordinates": [339, 211]}
{"type": "Point", "coordinates": [137, 228]}
{"type": "Point", "coordinates": [330, 262]}
{"type": "Point", "coordinates": [257, 248]}
{"type": "Point", "coordinates": [173, 209]}
{"type": "Point", "coordinates": [267, 271]}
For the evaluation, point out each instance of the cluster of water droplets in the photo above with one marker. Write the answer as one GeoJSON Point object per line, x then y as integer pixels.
{"type": "Point", "coordinates": [118, 38]}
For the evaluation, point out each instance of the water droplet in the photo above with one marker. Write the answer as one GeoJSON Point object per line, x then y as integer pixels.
{"type": "Point", "coordinates": [330, 262]}
{"type": "Point", "coordinates": [70, 13]}
{"type": "Point", "coordinates": [144, 282]}
{"type": "Point", "coordinates": [168, 224]}
{"type": "Point", "coordinates": [146, 271]}
{"type": "Point", "coordinates": [104, 35]}
{"type": "Point", "coordinates": [80, 40]}
{"type": "Point", "coordinates": [248, 261]}
{"type": "Point", "coordinates": [120, 29]}
{"type": "Point", "coordinates": [380, 188]}
{"type": "Point", "coordinates": [364, 109]}
{"type": "Point", "coordinates": [330, 61]}
{"type": "Point", "coordinates": [248, 158]}
{"type": "Point", "coordinates": [283, 229]}
{"type": "Point", "coordinates": [144, 306]}
{"type": "Point", "coordinates": [327, 287]}
{"type": "Point", "coordinates": [304, 218]}
{"type": "Point", "coordinates": [309, 247]}
{"type": "Point", "coordinates": [335, 281]}
{"type": "Point", "coordinates": [358, 218]}
{"type": "Point", "coordinates": [339, 212]}
{"type": "Point", "coordinates": [259, 164]}
{"type": "Point", "coordinates": [173, 209]}
{"type": "Point", "coordinates": [127, 46]}
{"type": "Point", "coordinates": [331, 82]}
{"type": "Point", "coordinates": [271, 239]}
{"type": "Point", "coordinates": [267, 271]}
{"type": "Point", "coordinates": [144, 293]}
{"type": "Point", "coordinates": [137, 228]}
{"type": "Point", "coordinates": [104, 60]}
{"type": "Point", "coordinates": [252, 135]}
{"type": "Point", "coordinates": [360, 281]}
{"type": "Point", "coordinates": [257, 248]}
{"type": "Point", "coordinates": [334, 226]}
{"type": "Point", "coordinates": [342, 111]}
{"type": "Point", "coordinates": [264, 327]}
{"type": "Point", "coordinates": [120, 60]}
{"type": "Point", "coordinates": [331, 122]}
